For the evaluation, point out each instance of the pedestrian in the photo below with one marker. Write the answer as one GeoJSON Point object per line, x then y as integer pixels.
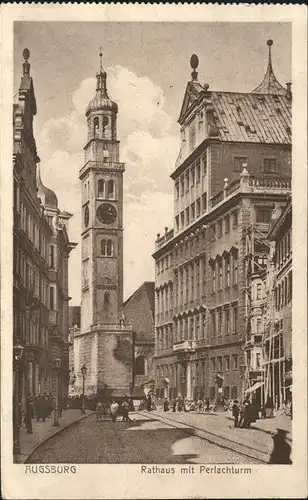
{"type": "Point", "coordinates": [29, 414]}
{"type": "Point", "coordinates": [281, 450]}
{"type": "Point", "coordinates": [241, 415]}
{"type": "Point", "coordinates": [269, 408]}
{"type": "Point", "coordinates": [235, 413]}
{"type": "Point", "coordinates": [114, 407]}
{"type": "Point", "coordinates": [166, 404]}
{"type": "Point", "coordinates": [50, 404]}
{"type": "Point", "coordinates": [149, 403]}
{"type": "Point", "coordinates": [174, 405]}
{"type": "Point", "coordinates": [248, 414]}
{"type": "Point", "coordinates": [207, 405]}
{"type": "Point", "coordinates": [125, 410]}
{"type": "Point", "coordinates": [199, 405]}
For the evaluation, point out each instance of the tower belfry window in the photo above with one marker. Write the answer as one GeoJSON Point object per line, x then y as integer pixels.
{"type": "Point", "coordinates": [105, 126]}
{"type": "Point", "coordinates": [96, 126]}
{"type": "Point", "coordinates": [110, 189]}
{"type": "Point", "coordinates": [101, 188]}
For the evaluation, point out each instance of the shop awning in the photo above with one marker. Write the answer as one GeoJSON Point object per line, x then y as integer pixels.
{"type": "Point", "coordinates": [254, 387]}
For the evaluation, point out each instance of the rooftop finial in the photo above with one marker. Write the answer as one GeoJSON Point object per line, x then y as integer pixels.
{"type": "Point", "coordinates": [100, 58]}
{"type": "Point", "coordinates": [194, 63]}
{"type": "Point", "coordinates": [269, 44]}
{"type": "Point", "coordinates": [26, 65]}
{"type": "Point", "coordinates": [270, 84]}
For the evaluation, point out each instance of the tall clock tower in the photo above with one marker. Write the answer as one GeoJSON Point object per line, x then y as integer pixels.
{"type": "Point", "coordinates": [104, 343]}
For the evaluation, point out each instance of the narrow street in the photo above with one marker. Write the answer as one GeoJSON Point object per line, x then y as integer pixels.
{"type": "Point", "coordinates": [147, 440]}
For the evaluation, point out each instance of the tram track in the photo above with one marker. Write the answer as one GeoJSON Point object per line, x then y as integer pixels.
{"type": "Point", "coordinates": [247, 451]}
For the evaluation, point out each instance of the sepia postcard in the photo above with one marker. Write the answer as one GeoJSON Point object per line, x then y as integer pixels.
{"type": "Point", "coordinates": [153, 251]}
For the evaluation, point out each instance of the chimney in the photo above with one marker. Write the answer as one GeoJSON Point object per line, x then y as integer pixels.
{"type": "Point", "coordinates": [289, 91]}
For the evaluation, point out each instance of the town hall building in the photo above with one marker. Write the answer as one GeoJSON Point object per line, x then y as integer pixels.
{"type": "Point", "coordinates": [232, 178]}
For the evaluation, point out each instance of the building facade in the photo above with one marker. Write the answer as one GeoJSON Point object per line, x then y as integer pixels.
{"type": "Point", "coordinates": [104, 343]}
{"type": "Point", "coordinates": [40, 269]}
{"type": "Point", "coordinates": [74, 329]}
{"type": "Point", "coordinates": [139, 312]}
{"type": "Point", "coordinates": [277, 339]}
{"type": "Point", "coordinates": [232, 174]}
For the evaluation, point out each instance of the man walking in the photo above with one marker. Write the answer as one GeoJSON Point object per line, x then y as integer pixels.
{"type": "Point", "coordinates": [114, 407]}
{"type": "Point", "coordinates": [235, 412]}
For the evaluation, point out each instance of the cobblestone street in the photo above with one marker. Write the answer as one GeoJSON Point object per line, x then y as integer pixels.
{"type": "Point", "coordinates": [147, 440]}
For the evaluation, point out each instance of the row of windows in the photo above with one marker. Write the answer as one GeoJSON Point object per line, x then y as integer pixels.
{"type": "Point", "coordinates": [182, 252]}
{"type": "Point", "coordinates": [164, 300]}
{"type": "Point", "coordinates": [224, 363]}
{"type": "Point", "coordinates": [224, 320]}
{"type": "Point", "coordinates": [269, 166]}
{"type": "Point", "coordinates": [191, 176]}
{"type": "Point", "coordinates": [164, 263]}
{"type": "Point", "coordinates": [164, 337]}
{"type": "Point", "coordinates": [191, 213]}
{"type": "Point", "coordinates": [283, 292]}
{"type": "Point", "coordinates": [191, 328]}
{"type": "Point", "coordinates": [223, 225]}
{"type": "Point", "coordinates": [32, 229]}
{"type": "Point", "coordinates": [30, 332]}
{"type": "Point", "coordinates": [105, 189]}
{"type": "Point", "coordinates": [224, 272]}
{"type": "Point", "coordinates": [284, 248]}
{"type": "Point", "coordinates": [190, 282]}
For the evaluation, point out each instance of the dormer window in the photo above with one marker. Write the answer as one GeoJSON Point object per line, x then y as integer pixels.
{"type": "Point", "coordinates": [270, 166]}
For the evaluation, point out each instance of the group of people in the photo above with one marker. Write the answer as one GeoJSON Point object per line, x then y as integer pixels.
{"type": "Point", "coordinates": [41, 407]}
{"type": "Point", "coordinates": [115, 409]}
{"type": "Point", "coordinates": [244, 413]}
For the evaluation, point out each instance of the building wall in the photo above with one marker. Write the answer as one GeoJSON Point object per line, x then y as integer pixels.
{"type": "Point", "coordinates": [40, 321]}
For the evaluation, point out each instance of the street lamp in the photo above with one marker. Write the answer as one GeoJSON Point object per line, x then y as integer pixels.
{"type": "Point", "coordinates": [18, 350]}
{"type": "Point", "coordinates": [84, 373]}
{"type": "Point", "coordinates": [56, 366]}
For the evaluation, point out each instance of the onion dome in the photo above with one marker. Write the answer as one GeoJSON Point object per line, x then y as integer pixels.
{"type": "Point", "coordinates": [101, 99]}
{"type": "Point", "coordinates": [48, 197]}
{"type": "Point", "coordinates": [270, 84]}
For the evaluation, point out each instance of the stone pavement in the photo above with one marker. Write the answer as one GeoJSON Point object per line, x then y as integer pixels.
{"type": "Point", "coordinates": [44, 430]}
{"type": "Point", "coordinates": [258, 437]}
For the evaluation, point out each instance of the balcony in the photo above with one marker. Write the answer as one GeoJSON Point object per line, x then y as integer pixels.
{"type": "Point", "coordinates": [248, 184]}
{"type": "Point", "coordinates": [113, 327]}
{"type": "Point", "coordinates": [161, 240]}
{"type": "Point", "coordinates": [184, 346]}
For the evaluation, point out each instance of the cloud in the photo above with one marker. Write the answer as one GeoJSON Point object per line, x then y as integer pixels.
{"type": "Point", "coordinates": [149, 152]}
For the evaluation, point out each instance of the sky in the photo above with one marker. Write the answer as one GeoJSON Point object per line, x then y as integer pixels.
{"type": "Point", "coordinates": [148, 69]}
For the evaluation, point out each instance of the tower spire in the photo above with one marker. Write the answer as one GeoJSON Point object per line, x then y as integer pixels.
{"type": "Point", "coordinates": [270, 84]}
{"type": "Point", "coordinates": [100, 59]}
{"type": "Point", "coordinates": [101, 76]}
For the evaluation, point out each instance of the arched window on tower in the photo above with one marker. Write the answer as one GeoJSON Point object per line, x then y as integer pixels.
{"type": "Point", "coordinates": [105, 127]}
{"type": "Point", "coordinates": [103, 247]}
{"type": "Point", "coordinates": [109, 248]}
{"type": "Point", "coordinates": [96, 126]}
{"type": "Point", "coordinates": [106, 300]}
{"type": "Point", "coordinates": [101, 188]}
{"type": "Point", "coordinates": [110, 189]}
{"type": "Point", "coordinates": [140, 365]}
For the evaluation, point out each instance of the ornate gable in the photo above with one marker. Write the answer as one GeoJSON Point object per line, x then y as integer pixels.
{"type": "Point", "coordinates": [192, 93]}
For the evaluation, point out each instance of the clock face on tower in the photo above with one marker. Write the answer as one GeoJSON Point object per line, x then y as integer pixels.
{"type": "Point", "coordinates": [106, 213]}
